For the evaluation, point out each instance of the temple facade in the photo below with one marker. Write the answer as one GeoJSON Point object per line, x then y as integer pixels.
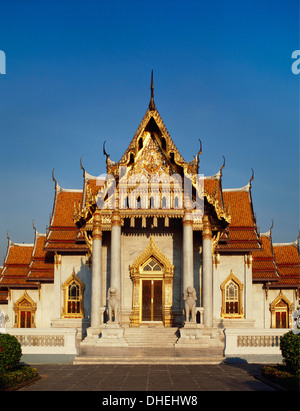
{"type": "Point", "coordinates": [154, 243]}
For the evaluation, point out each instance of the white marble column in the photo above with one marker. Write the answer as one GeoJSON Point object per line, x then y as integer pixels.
{"type": "Point", "coordinates": [112, 334]}
{"type": "Point", "coordinates": [96, 273]}
{"type": "Point", "coordinates": [187, 251]}
{"type": "Point", "coordinates": [207, 271]}
{"type": "Point", "coordinates": [115, 280]}
{"type": "Point", "coordinates": [248, 286]}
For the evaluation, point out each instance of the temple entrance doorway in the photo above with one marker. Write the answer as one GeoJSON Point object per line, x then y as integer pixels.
{"type": "Point", "coordinates": [152, 300]}
{"type": "Point", "coordinates": [152, 277]}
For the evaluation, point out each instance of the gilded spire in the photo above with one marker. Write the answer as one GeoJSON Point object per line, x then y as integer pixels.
{"type": "Point", "coordinates": [152, 104]}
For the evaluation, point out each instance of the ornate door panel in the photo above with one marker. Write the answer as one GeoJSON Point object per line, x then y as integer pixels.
{"type": "Point", "coordinates": [146, 301]}
{"type": "Point", "coordinates": [25, 321]}
{"type": "Point", "coordinates": [152, 300]}
{"type": "Point", "coordinates": [157, 301]}
{"type": "Point", "coordinates": [281, 319]}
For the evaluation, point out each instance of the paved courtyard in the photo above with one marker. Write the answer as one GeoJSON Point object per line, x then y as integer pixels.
{"type": "Point", "coordinates": [139, 377]}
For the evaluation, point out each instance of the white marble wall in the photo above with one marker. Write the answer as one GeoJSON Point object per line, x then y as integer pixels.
{"type": "Point", "coordinates": [261, 304]}
{"type": "Point", "coordinates": [220, 273]}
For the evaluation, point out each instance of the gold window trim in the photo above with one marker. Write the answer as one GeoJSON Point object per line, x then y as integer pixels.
{"type": "Point", "coordinates": [275, 308]}
{"type": "Point", "coordinates": [73, 278]}
{"type": "Point", "coordinates": [165, 274]}
{"type": "Point", "coordinates": [24, 303]}
{"type": "Point", "coordinates": [240, 313]}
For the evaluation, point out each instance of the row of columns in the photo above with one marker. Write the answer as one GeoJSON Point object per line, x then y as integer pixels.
{"type": "Point", "coordinates": [188, 264]}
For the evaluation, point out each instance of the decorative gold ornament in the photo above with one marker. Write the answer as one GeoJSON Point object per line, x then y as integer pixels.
{"type": "Point", "coordinates": [284, 308]}
{"type": "Point", "coordinates": [232, 294]}
{"type": "Point", "coordinates": [97, 231]}
{"type": "Point", "coordinates": [25, 309]}
{"type": "Point", "coordinates": [73, 290]}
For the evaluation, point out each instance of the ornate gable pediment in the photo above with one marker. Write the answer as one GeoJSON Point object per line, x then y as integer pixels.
{"type": "Point", "coordinates": [151, 147]}
{"type": "Point", "coordinates": [151, 158]}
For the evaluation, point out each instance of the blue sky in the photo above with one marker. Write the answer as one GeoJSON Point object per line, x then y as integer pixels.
{"type": "Point", "coordinates": [78, 73]}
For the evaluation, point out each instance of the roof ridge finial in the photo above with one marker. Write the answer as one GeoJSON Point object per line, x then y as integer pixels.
{"type": "Point", "coordinates": [152, 104]}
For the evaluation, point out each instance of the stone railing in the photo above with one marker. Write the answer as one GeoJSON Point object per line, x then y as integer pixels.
{"type": "Point", "coordinates": [258, 340]}
{"type": "Point", "coordinates": [241, 342]}
{"type": "Point", "coordinates": [45, 340]}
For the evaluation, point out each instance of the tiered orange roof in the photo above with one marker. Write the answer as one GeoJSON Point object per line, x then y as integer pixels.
{"type": "Point", "coordinates": [242, 230]}
{"type": "Point", "coordinates": [41, 267]}
{"type": "Point", "coordinates": [63, 235]}
{"type": "Point", "coordinates": [213, 188]}
{"type": "Point", "coordinates": [288, 263]}
{"type": "Point", "coordinates": [264, 267]}
{"type": "Point", "coordinates": [3, 291]}
{"type": "Point", "coordinates": [15, 268]}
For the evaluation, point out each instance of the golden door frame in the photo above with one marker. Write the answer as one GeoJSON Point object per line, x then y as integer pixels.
{"type": "Point", "coordinates": [275, 306]}
{"type": "Point", "coordinates": [25, 303]}
{"type": "Point", "coordinates": [165, 275]}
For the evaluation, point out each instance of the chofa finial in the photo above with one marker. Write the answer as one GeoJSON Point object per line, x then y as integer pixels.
{"type": "Point", "coordinates": [152, 104]}
{"type": "Point", "coordinates": [104, 150]}
{"type": "Point", "coordinates": [53, 178]}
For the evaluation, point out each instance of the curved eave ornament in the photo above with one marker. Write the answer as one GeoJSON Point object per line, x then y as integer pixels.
{"type": "Point", "coordinates": [214, 199]}
{"type": "Point", "coordinates": [93, 201]}
{"type": "Point", "coordinates": [221, 213]}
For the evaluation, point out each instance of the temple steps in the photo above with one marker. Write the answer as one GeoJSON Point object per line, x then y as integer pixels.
{"type": "Point", "coordinates": [151, 336]}
{"type": "Point", "coordinates": [156, 345]}
{"type": "Point", "coordinates": [187, 358]}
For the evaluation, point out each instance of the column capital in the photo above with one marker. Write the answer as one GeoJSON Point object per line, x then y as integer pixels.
{"type": "Point", "coordinates": [187, 218]}
{"type": "Point", "coordinates": [207, 233]}
{"type": "Point", "coordinates": [97, 229]}
{"type": "Point", "coordinates": [116, 218]}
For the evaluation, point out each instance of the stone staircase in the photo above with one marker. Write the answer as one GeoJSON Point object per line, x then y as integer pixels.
{"type": "Point", "coordinates": [144, 336]}
{"type": "Point", "coordinates": [157, 345]}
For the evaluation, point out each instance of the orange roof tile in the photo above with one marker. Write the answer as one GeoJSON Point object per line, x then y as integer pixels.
{"type": "Point", "coordinates": [42, 265]}
{"type": "Point", "coordinates": [286, 254]}
{"type": "Point", "coordinates": [288, 263]}
{"type": "Point", "coordinates": [240, 205]}
{"type": "Point", "coordinates": [63, 233]}
{"type": "Point", "coordinates": [242, 231]}
{"type": "Point", "coordinates": [15, 268]}
{"type": "Point", "coordinates": [64, 208]}
{"type": "Point", "coordinates": [3, 296]}
{"type": "Point", "coordinates": [263, 265]}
